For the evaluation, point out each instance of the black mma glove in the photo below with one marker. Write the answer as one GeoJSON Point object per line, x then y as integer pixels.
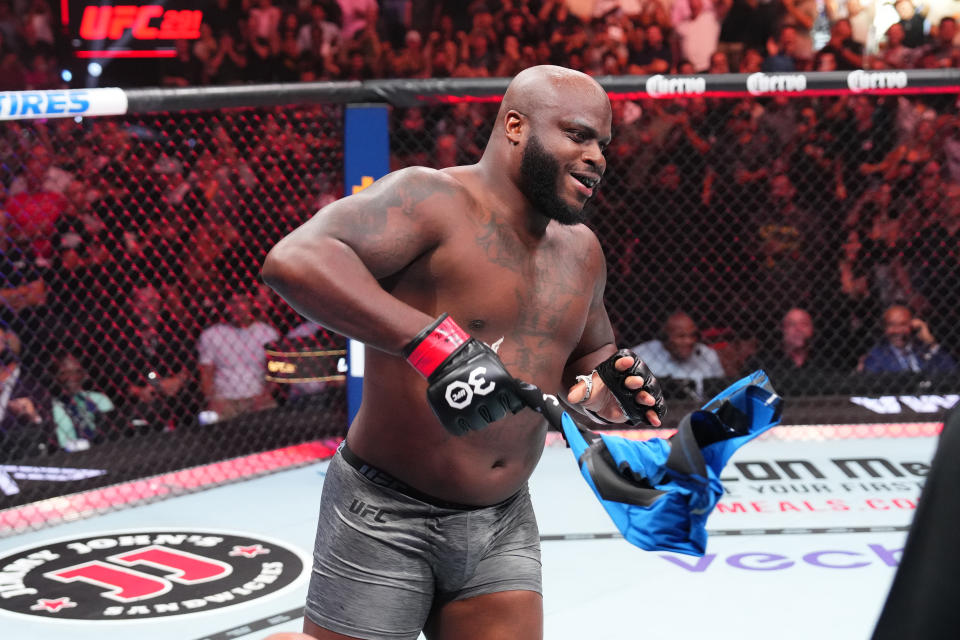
{"type": "Point", "coordinates": [468, 385]}
{"type": "Point", "coordinates": [626, 398]}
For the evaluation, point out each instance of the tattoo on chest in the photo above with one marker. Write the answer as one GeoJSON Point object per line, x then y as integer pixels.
{"type": "Point", "coordinates": [546, 301]}
{"type": "Point", "coordinates": [500, 244]}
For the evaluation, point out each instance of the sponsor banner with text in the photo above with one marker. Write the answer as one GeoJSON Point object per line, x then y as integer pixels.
{"type": "Point", "coordinates": [65, 103]}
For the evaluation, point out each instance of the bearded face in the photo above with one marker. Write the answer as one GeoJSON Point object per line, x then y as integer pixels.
{"type": "Point", "coordinates": [540, 182]}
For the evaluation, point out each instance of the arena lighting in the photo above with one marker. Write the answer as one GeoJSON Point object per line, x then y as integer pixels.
{"type": "Point", "coordinates": [94, 69]}
{"type": "Point", "coordinates": [66, 75]}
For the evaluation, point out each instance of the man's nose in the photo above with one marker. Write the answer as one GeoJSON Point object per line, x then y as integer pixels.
{"type": "Point", "coordinates": [594, 157]}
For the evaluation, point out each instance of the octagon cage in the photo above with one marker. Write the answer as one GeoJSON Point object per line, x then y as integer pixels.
{"type": "Point", "coordinates": [805, 224]}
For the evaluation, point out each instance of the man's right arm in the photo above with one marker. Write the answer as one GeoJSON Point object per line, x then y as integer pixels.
{"type": "Point", "coordinates": [330, 268]}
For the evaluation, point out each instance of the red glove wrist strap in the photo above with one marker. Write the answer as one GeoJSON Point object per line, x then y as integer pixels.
{"type": "Point", "coordinates": [445, 338]}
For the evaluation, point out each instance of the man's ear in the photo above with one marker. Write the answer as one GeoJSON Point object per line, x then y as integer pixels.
{"type": "Point", "coordinates": [514, 126]}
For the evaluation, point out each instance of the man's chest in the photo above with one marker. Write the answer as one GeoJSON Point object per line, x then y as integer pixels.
{"type": "Point", "coordinates": [537, 303]}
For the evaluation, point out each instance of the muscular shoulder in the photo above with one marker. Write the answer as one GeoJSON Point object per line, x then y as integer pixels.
{"type": "Point", "coordinates": [580, 241]}
{"type": "Point", "coordinates": [415, 198]}
{"type": "Point", "coordinates": [420, 187]}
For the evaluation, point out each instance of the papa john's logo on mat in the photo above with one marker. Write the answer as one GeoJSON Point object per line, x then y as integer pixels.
{"type": "Point", "coordinates": [144, 574]}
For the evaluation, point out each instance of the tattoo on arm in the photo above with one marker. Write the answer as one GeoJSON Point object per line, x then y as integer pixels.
{"type": "Point", "coordinates": [387, 227]}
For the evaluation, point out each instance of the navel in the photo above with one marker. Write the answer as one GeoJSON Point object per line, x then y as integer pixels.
{"type": "Point", "coordinates": [498, 463]}
{"type": "Point", "coordinates": [477, 324]}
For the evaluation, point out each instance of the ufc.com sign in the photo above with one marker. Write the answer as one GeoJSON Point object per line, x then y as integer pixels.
{"type": "Point", "coordinates": [137, 575]}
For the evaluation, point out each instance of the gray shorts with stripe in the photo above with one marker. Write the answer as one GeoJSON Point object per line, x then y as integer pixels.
{"type": "Point", "coordinates": [383, 558]}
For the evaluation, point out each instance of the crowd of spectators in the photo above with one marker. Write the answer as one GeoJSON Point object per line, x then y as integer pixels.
{"type": "Point", "coordinates": [788, 233]}
{"type": "Point", "coordinates": [801, 235]}
{"type": "Point", "coordinates": [129, 260]}
{"type": "Point", "coordinates": [250, 41]}
{"type": "Point", "coordinates": [843, 206]}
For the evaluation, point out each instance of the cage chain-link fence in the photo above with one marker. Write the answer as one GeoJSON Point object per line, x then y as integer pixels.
{"type": "Point", "coordinates": [769, 232]}
{"type": "Point", "coordinates": [137, 337]}
{"type": "Point", "coordinates": [740, 233]}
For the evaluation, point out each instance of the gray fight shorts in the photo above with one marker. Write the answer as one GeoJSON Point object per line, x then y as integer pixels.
{"type": "Point", "coordinates": [383, 558]}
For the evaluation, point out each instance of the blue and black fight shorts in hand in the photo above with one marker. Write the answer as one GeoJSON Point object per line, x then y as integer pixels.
{"type": "Point", "coordinates": [659, 492]}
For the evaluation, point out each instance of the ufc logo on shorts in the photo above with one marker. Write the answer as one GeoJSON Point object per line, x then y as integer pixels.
{"type": "Point", "coordinates": [460, 394]}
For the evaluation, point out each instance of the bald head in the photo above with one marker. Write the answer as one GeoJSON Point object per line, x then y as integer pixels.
{"type": "Point", "coordinates": [898, 325]}
{"type": "Point", "coordinates": [797, 330]}
{"type": "Point", "coordinates": [681, 336]}
{"type": "Point", "coordinates": [548, 87]}
{"type": "Point", "coordinates": [552, 128]}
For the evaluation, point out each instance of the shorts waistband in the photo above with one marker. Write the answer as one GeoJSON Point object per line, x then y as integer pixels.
{"type": "Point", "coordinates": [384, 479]}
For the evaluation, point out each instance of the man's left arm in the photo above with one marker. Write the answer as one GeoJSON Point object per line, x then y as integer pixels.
{"type": "Point", "coordinates": [586, 388]}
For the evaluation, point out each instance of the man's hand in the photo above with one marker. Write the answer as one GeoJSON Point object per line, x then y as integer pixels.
{"type": "Point", "coordinates": [145, 394]}
{"type": "Point", "coordinates": [922, 331]}
{"type": "Point", "coordinates": [468, 385]}
{"type": "Point", "coordinates": [172, 385]}
{"type": "Point", "coordinates": [24, 408]}
{"type": "Point", "coordinates": [603, 402]}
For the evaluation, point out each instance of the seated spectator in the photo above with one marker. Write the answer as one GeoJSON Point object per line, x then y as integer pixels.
{"type": "Point", "coordinates": [145, 360]}
{"type": "Point", "coordinates": [229, 61]}
{"type": "Point", "coordinates": [319, 37]}
{"type": "Point", "coordinates": [35, 208]}
{"type": "Point", "coordinates": [410, 60]}
{"type": "Point", "coordinates": [795, 353]}
{"type": "Point", "coordinates": [847, 52]}
{"type": "Point", "coordinates": [719, 63]}
{"type": "Point", "coordinates": [649, 52]}
{"type": "Point", "coordinates": [233, 362]}
{"type": "Point", "coordinates": [35, 40]}
{"type": "Point", "coordinates": [801, 15]}
{"type": "Point", "coordinates": [747, 25]}
{"type": "Point", "coordinates": [75, 410]}
{"type": "Point", "coordinates": [784, 53]}
{"type": "Point", "coordinates": [784, 232]}
{"type": "Point", "coordinates": [825, 60]}
{"type": "Point", "coordinates": [358, 15]}
{"type": "Point", "coordinates": [907, 345]}
{"type": "Point", "coordinates": [185, 70]}
{"type": "Point", "coordinates": [25, 420]}
{"type": "Point", "coordinates": [13, 75]}
{"type": "Point", "coordinates": [895, 53]}
{"type": "Point", "coordinates": [23, 287]}
{"type": "Point", "coordinates": [696, 25]}
{"type": "Point", "coordinates": [914, 22]}
{"type": "Point", "coordinates": [751, 61]}
{"type": "Point", "coordinates": [41, 173]}
{"type": "Point", "coordinates": [679, 354]}
{"type": "Point", "coordinates": [42, 73]}
{"type": "Point", "coordinates": [942, 52]}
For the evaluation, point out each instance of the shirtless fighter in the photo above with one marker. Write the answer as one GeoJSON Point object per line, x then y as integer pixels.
{"type": "Point", "coordinates": [444, 539]}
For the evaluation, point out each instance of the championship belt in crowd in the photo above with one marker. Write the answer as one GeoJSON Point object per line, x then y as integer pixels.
{"type": "Point", "coordinates": [304, 360]}
{"type": "Point", "coordinates": [660, 492]}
